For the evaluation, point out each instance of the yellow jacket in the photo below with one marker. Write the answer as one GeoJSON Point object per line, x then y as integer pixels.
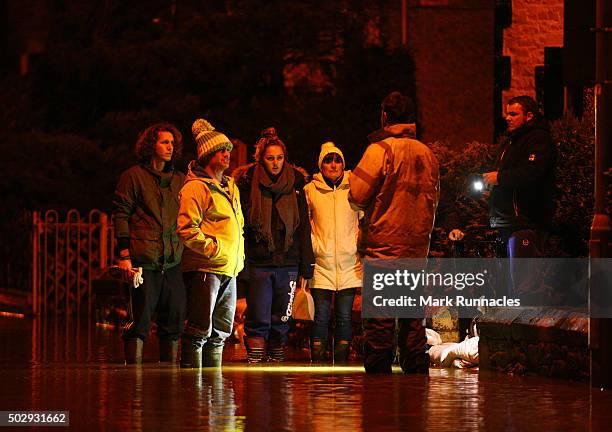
{"type": "Point", "coordinates": [210, 224]}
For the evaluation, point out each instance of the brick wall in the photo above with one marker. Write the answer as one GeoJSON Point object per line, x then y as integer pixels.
{"type": "Point", "coordinates": [535, 24]}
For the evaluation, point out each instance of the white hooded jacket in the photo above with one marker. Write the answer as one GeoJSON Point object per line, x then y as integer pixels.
{"type": "Point", "coordinates": [334, 232]}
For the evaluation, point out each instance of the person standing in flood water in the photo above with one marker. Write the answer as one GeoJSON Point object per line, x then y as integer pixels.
{"type": "Point", "coordinates": [396, 183]}
{"type": "Point", "coordinates": [145, 210]}
{"type": "Point", "coordinates": [278, 244]}
{"type": "Point", "coordinates": [337, 271]}
{"type": "Point", "coordinates": [210, 223]}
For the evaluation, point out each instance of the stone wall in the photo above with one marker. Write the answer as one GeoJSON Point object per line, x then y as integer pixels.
{"type": "Point", "coordinates": [537, 341]}
{"type": "Point", "coordinates": [535, 24]}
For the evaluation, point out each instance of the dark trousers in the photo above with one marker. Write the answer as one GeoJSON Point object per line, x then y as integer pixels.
{"type": "Point", "coordinates": [210, 308]}
{"type": "Point", "coordinates": [163, 294]}
{"type": "Point", "coordinates": [379, 335]}
{"type": "Point", "coordinates": [343, 311]}
{"type": "Point", "coordinates": [267, 300]}
{"type": "Point", "coordinates": [525, 243]}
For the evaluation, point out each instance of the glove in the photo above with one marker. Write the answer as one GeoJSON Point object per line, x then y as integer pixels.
{"type": "Point", "coordinates": [138, 279]}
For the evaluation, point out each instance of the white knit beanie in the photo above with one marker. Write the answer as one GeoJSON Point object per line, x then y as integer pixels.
{"type": "Point", "coordinates": [207, 139]}
{"type": "Point", "coordinates": [327, 148]}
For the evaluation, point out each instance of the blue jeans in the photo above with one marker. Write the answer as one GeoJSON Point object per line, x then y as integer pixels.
{"type": "Point", "coordinates": [267, 300]}
{"type": "Point", "coordinates": [343, 311]}
{"type": "Point", "coordinates": [210, 308]}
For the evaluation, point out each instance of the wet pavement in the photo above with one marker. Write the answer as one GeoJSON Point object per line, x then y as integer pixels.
{"type": "Point", "coordinates": [47, 365]}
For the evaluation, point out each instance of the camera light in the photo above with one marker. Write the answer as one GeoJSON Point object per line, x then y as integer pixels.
{"type": "Point", "coordinates": [478, 185]}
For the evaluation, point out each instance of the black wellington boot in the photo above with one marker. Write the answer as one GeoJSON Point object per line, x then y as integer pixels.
{"type": "Point", "coordinates": [276, 352]}
{"type": "Point", "coordinates": [318, 351]}
{"type": "Point", "coordinates": [133, 351]}
{"type": "Point", "coordinates": [341, 351]}
{"type": "Point", "coordinates": [256, 349]}
{"type": "Point", "coordinates": [168, 350]}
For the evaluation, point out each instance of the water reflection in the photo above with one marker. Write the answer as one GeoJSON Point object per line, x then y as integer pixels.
{"type": "Point", "coordinates": [77, 366]}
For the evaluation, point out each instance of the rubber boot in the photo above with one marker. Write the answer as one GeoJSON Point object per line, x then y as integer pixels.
{"type": "Point", "coordinates": [168, 350]}
{"type": "Point", "coordinates": [318, 348]}
{"type": "Point", "coordinates": [341, 351]}
{"type": "Point", "coordinates": [212, 357]}
{"type": "Point", "coordinates": [133, 351]}
{"type": "Point", "coordinates": [256, 348]}
{"type": "Point", "coordinates": [414, 363]}
{"type": "Point", "coordinates": [191, 356]}
{"type": "Point", "coordinates": [276, 352]}
{"type": "Point", "coordinates": [378, 361]}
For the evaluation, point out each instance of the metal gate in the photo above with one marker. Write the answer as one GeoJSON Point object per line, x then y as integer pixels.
{"type": "Point", "coordinates": [67, 257]}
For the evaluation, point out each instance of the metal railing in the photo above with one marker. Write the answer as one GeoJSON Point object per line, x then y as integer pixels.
{"type": "Point", "coordinates": [67, 256]}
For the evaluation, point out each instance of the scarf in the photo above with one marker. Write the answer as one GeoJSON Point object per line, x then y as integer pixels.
{"type": "Point", "coordinates": [264, 193]}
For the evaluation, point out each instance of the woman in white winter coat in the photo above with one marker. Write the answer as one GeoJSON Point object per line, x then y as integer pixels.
{"type": "Point", "coordinates": [337, 271]}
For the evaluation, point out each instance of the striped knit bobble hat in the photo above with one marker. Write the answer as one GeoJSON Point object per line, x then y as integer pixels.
{"type": "Point", "coordinates": [207, 139]}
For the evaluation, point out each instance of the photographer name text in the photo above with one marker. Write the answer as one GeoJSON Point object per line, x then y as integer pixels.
{"type": "Point", "coordinates": [429, 301]}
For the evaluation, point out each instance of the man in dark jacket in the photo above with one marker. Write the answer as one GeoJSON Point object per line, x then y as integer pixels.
{"type": "Point", "coordinates": [146, 207]}
{"type": "Point", "coordinates": [521, 204]}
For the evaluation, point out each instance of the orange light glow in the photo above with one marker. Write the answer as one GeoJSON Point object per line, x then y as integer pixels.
{"type": "Point", "coordinates": [12, 315]}
{"type": "Point", "coordinates": [106, 325]}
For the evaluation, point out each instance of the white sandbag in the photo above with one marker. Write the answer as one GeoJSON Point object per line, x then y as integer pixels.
{"type": "Point", "coordinates": [467, 350]}
{"type": "Point", "coordinates": [445, 354]}
{"type": "Point", "coordinates": [439, 353]}
{"type": "Point", "coordinates": [433, 337]}
{"type": "Point", "coordinates": [462, 364]}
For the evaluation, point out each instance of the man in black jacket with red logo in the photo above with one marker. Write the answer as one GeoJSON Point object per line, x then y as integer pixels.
{"type": "Point", "coordinates": [521, 204]}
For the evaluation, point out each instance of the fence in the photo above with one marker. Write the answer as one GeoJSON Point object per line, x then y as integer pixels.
{"type": "Point", "coordinates": [67, 257]}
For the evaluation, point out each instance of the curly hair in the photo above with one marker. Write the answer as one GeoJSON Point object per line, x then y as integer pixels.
{"type": "Point", "coordinates": [145, 144]}
{"type": "Point", "coordinates": [268, 138]}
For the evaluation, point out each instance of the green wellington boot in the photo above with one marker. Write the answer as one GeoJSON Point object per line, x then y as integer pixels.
{"type": "Point", "coordinates": [191, 356]}
{"type": "Point", "coordinates": [212, 357]}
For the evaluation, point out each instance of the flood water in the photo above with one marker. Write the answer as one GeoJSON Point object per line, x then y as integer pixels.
{"type": "Point", "coordinates": [48, 365]}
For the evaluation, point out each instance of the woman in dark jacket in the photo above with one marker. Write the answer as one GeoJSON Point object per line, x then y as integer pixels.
{"type": "Point", "coordinates": [278, 245]}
